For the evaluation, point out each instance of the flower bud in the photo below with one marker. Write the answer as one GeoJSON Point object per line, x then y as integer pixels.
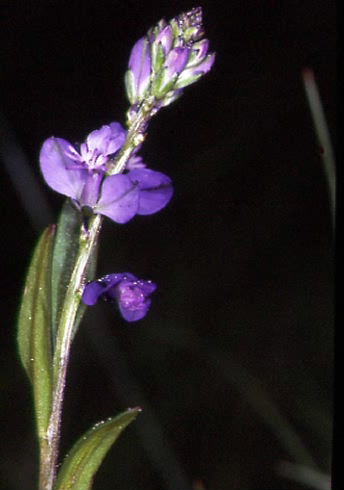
{"type": "Point", "coordinates": [137, 78]}
{"type": "Point", "coordinates": [170, 57]}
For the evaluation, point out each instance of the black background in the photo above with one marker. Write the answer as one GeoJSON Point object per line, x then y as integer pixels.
{"type": "Point", "coordinates": [242, 319]}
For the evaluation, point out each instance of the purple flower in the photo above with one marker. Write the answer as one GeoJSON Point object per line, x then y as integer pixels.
{"type": "Point", "coordinates": [81, 175]}
{"type": "Point", "coordinates": [131, 294]}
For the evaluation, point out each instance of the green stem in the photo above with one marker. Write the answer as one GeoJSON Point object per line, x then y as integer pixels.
{"type": "Point", "coordinates": [135, 136]}
{"type": "Point", "coordinates": [49, 449]}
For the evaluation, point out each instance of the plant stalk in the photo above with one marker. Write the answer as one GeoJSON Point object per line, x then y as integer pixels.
{"type": "Point", "coordinates": [88, 242]}
{"type": "Point", "coordinates": [50, 444]}
{"type": "Point", "coordinates": [135, 137]}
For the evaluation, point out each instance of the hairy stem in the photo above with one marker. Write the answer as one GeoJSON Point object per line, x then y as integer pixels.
{"type": "Point", "coordinates": [49, 447]}
{"type": "Point", "coordinates": [135, 136]}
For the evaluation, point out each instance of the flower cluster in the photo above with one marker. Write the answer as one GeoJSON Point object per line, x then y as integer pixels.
{"type": "Point", "coordinates": [81, 175]}
{"type": "Point", "coordinates": [171, 56]}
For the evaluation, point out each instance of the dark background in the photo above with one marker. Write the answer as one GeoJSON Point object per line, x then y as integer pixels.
{"type": "Point", "coordinates": [233, 364]}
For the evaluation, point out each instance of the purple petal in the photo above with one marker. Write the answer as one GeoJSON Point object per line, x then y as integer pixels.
{"type": "Point", "coordinates": [103, 286]}
{"type": "Point", "coordinates": [165, 37]}
{"type": "Point", "coordinates": [90, 192]}
{"type": "Point", "coordinates": [108, 139]}
{"type": "Point", "coordinates": [194, 73]}
{"type": "Point", "coordinates": [133, 301]}
{"type": "Point", "coordinates": [140, 65]}
{"type": "Point", "coordinates": [155, 190]}
{"type": "Point", "coordinates": [199, 51]}
{"type": "Point", "coordinates": [202, 47]}
{"type": "Point", "coordinates": [135, 161]}
{"type": "Point", "coordinates": [92, 292]}
{"type": "Point", "coordinates": [134, 315]}
{"type": "Point", "coordinates": [119, 198]}
{"type": "Point", "coordinates": [147, 287]}
{"type": "Point", "coordinates": [57, 168]}
{"type": "Point", "coordinates": [176, 61]}
{"type": "Point", "coordinates": [112, 280]}
{"type": "Point", "coordinates": [204, 66]}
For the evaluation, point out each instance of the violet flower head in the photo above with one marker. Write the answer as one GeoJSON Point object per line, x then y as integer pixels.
{"type": "Point", "coordinates": [81, 175]}
{"type": "Point", "coordinates": [131, 294]}
{"type": "Point", "coordinates": [171, 56]}
{"type": "Point", "coordinates": [78, 173]}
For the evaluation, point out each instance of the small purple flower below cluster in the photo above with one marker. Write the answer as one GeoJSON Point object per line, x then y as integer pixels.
{"type": "Point", "coordinates": [81, 174]}
{"type": "Point", "coordinates": [131, 294]}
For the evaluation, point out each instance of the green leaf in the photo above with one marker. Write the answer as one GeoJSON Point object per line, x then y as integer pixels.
{"type": "Point", "coordinates": [34, 323]}
{"type": "Point", "coordinates": [83, 461]}
{"type": "Point", "coordinates": [65, 253]}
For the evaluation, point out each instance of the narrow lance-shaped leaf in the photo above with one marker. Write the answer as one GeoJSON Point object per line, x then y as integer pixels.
{"type": "Point", "coordinates": [34, 328]}
{"type": "Point", "coordinates": [65, 253]}
{"type": "Point", "coordinates": [84, 459]}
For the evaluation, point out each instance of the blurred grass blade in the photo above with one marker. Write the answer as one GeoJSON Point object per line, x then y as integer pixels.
{"type": "Point", "coordinates": [264, 406]}
{"type": "Point", "coordinates": [307, 476]}
{"type": "Point", "coordinates": [64, 257]}
{"type": "Point", "coordinates": [81, 464]}
{"type": "Point", "coordinates": [34, 336]}
{"type": "Point", "coordinates": [321, 129]}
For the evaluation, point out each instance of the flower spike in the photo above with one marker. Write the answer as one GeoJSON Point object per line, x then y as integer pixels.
{"type": "Point", "coordinates": [171, 56]}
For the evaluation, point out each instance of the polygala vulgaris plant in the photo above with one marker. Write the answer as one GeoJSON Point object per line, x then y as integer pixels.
{"type": "Point", "coordinates": [103, 176]}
